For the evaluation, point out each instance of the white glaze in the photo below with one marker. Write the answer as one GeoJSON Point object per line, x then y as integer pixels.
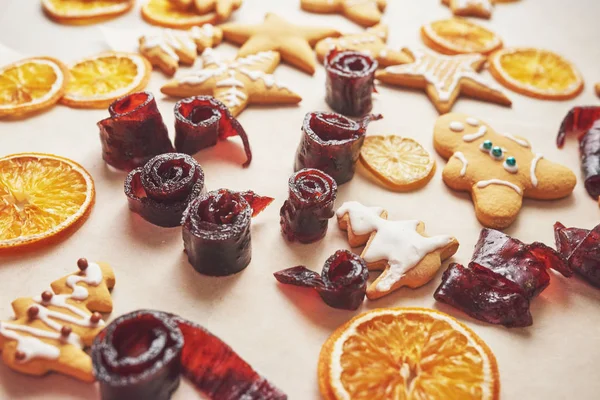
{"type": "Point", "coordinates": [397, 242]}
{"type": "Point", "coordinates": [520, 142]}
{"type": "Point", "coordinates": [474, 136]}
{"type": "Point", "coordinates": [534, 163]}
{"type": "Point", "coordinates": [472, 121]}
{"type": "Point", "coordinates": [484, 184]}
{"type": "Point", "coordinates": [459, 155]}
{"type": "Point", "coordinates": [457, 126]}
{"type": "Point", "coordinates": [513, 169]}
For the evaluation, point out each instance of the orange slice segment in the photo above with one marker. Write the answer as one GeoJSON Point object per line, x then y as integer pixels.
{"type": "Point", "coordinates": [459, 36]}
{"type": "Point", "coordinates": [536, 73]}
{"type": "Point", "coordinates": [399, 163]}
{"type": "Point", "coordinates": [99, 80]}
{"type": "Point", "coordinates": [84, 11]}
{"type": "Point", "coordinates": [31, 85]}
{"type": "Point", "coordinates": [408, 354]}
{"type": "Point", "coordinates": [169, 14]}
{"type": "Point", "coordinates": [41, 197]}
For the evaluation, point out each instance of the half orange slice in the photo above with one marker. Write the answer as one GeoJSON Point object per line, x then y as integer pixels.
{"type": "Point", "coordinates": [85, 11]}
{"type": "Point", "coordinates": [459, 36]}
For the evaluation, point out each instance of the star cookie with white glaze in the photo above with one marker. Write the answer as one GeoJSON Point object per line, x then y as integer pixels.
{"type": "Point", "coordinates": [363, 12]}
{"type": "Point", "coordinates": [293, 42]}
{"type": "Point", "coordinates": [400, 249]}
{"type": "Point", "coordinates": [497, 169]}
{"type": "Point", "coordinates": [444, 78]}
{"type": "Point", "coordinates": [235, 83]}
{"type": "Point", "coordinates": [372, 42]}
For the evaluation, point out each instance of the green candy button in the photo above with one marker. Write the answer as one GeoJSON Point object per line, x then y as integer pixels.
{"type": "Point", "coordinates": [497, 151]}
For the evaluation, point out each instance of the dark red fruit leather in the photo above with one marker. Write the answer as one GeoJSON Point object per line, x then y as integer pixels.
{"type": "Point", "coordinates": [503, 277]}
{"type": "Point", "coordinates": [203, 120]}
{"type": "Point", "coordinates": [305, 214]}
{"type": "Point", "coordinates": [142, 354]}
{"type": "Point", "coordinates": [134, 132]}
{"type": "Point", "coordinates": [581, 249]}
{"type": "Point", "coordinates": [161, 190]}
{"type": "Point", "coordinates": [342, 283]}
{"type": "Point", "coordinates": [332, 143]}
{"type": "Point", "coordinates": [216, 231]}
{"type": "Point", "coordinates": [350, 82]}
{"type": "Point", "coordinates": [585, 122]}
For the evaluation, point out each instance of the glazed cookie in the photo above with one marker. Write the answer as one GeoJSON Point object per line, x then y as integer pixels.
{"type": "Point", "coordinates": [167, 48]}
{"type": "Point", "coordinates": [444, 78]}
{"type": "Point", "coordinates": [497, 169]}
{"type": "Point", "coordinates": [236, 83]}
{"type": "Point", "coordinates": [398, 248]}
{"type": "Point", "coordinates": [51, 330]}
{"type": "Point", "coordinates": [471, 8]}
{"type": "Point", "coordinates": [372, 42]}
{"type": "Point", "coordinates": [363, 12]}
{"type": "Point", "coordinates": [223, 8]}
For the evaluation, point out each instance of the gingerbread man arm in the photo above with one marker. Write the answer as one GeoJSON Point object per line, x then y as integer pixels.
{"type": "Point", "coordinates": [365, 12]}
{"type": "Point", "coordinates": [554, 181]}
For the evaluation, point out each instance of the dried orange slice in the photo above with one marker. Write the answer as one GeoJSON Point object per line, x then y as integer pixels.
{"type": "Point", "coordinates": [407, 353]}
{"type": "Point", "coordinates": [42, 197]}
{"type": "Point", "coordinates": [84, 11]}
{"type": "Point", "coordinates": [99, 80]}
{"type": "Point", "coordinates": [31, 85]}
{"type": "Point", "coordinates": [459, 36]}
{"type": "Point", "coordinates": [169, 14]}
{"type": "Point", "coordinates": [536, 73]}
{"type": "Point", "coordinates": [598, 89]}
{"type": "Point", "coordinates": [399, 163]}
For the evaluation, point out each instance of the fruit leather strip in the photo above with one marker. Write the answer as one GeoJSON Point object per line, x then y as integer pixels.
{"type": "Point", "coordinates": [350, 82]}
{"type": "Point", "coordinates": [134, 132]}
{"type": "Point", "coordinates": [161, 190]}
{"type": "Point", "coordinates": [484, 295]}
{"type": "Point", "coordinates": [305, 214]}
{"type": "Point", "coordinates": [202, 120]}
{"type": "Point", "coordinates": [584, 248]}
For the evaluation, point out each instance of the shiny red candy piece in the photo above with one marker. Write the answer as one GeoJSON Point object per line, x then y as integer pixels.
{"type": "Point", "coordinates": [502, 274]}
{"type": "Point", "coordinates": [203, 120]}
{"type": "Point", "coordinates": [305, 214]}
{"type": "Point", "coordinates": [585, 122]}
{"type": "Point", "coordinates": [161, 190]}
{"type": "Point", "coordinates": [342, 283]}
{"type": "Point", "coordinates": [581, 249]}
{"type": "Point", "coordinates": [350, 82]}
{"type": "Point", "coordinates": [134, 132]}
{"type": "Point", "coordinates": [332, 143]}
{"type": "Point", "coordinates": [216, 231]}
{"type": "Point", "coordinates": [142, 354]}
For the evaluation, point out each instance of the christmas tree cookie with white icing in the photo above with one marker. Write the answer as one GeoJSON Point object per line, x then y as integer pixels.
{"type": "Point", "coordinates": [400, 249]}
{"type": "Point", "coordinates": [51, 330]}
{"type": "Point", "coordinates": [498, 170]}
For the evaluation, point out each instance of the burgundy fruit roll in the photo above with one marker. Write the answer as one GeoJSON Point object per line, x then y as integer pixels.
{"type": "Point", "coordinates": [134, 132]}
{"type": "Point", "coordinates": [331, 142]}
{"type": "Point", "coordinates": [305, 214]}
{"type": "Point", "coordinates": [161, 190]}
{"type": "Point", "coordinates": [350, 82]}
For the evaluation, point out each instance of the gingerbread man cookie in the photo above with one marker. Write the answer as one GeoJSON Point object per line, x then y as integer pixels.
{"type": "Point", "coordinates": [167, 48]}
{"type": "Point", "coordinates": [236, 83]}
{"type": "Point", "coordinates": [471, 8]}
{"type": "Point", "coordinates": [398, 248]}
{"type": "Point", "coordinates": [497, 169]}
{"type": "Point", "coordinates": [444, 78]}
{"type": "Point", "coordinates": [372, 42]}
{"type": "Point", "coordinates": [363, 12]}
{"type": "Point", "coordinates": [51, 330]}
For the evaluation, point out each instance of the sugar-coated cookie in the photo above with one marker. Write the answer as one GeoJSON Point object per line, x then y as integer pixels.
{"type": "Point", "coordinates": [498, 170]}
{"type": "Point", "coordinates": [363, 12]}
{"type": "Point", "coordinates": [398, 248]}
{"type": "Point", "coordinates": [444, 78]}
{"type": "Point", "coordinates": [51, 330]}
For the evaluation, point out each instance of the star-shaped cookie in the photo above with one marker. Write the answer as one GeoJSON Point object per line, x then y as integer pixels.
{"type": "Point", "coordinates": [293, 42]}
{"type": "Point", "coordinates": [444, 78]}
{"type": "Point", "coordinates": [363, 12]}
{"type": "Point", "coordinates": [398, 248]}
{"type": "Point", "coordinates": [372, 42]}
{"type": "Point", "coordinates": [236, 83]}
{"type": "Point", "coordinates": [471, 8]}
{"type": "Point", "coordinates": [497, 169]}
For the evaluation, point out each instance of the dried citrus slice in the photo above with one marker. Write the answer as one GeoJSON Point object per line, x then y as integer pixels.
{"type": "Point", "coordinates": [169, 14]}
{"type": "Point", "coordinates": [41, 197]}
{"type": "Point", "coordinates": [99, 80]}
{"type": "Point", "coordinates": [31, 85]}
{"type": "Point", "coordinates": [399, 163]}
{"type": "Point", "coordinates": [459, 36]}
{"type": "Point", "coordinates": [598, 89]}
{"type": "Point", "coordinates": [407, 353]}
{"type": "Point", "coordinates": [84, 11]}
{"type": "Point", "coordinates": [536, 73]}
